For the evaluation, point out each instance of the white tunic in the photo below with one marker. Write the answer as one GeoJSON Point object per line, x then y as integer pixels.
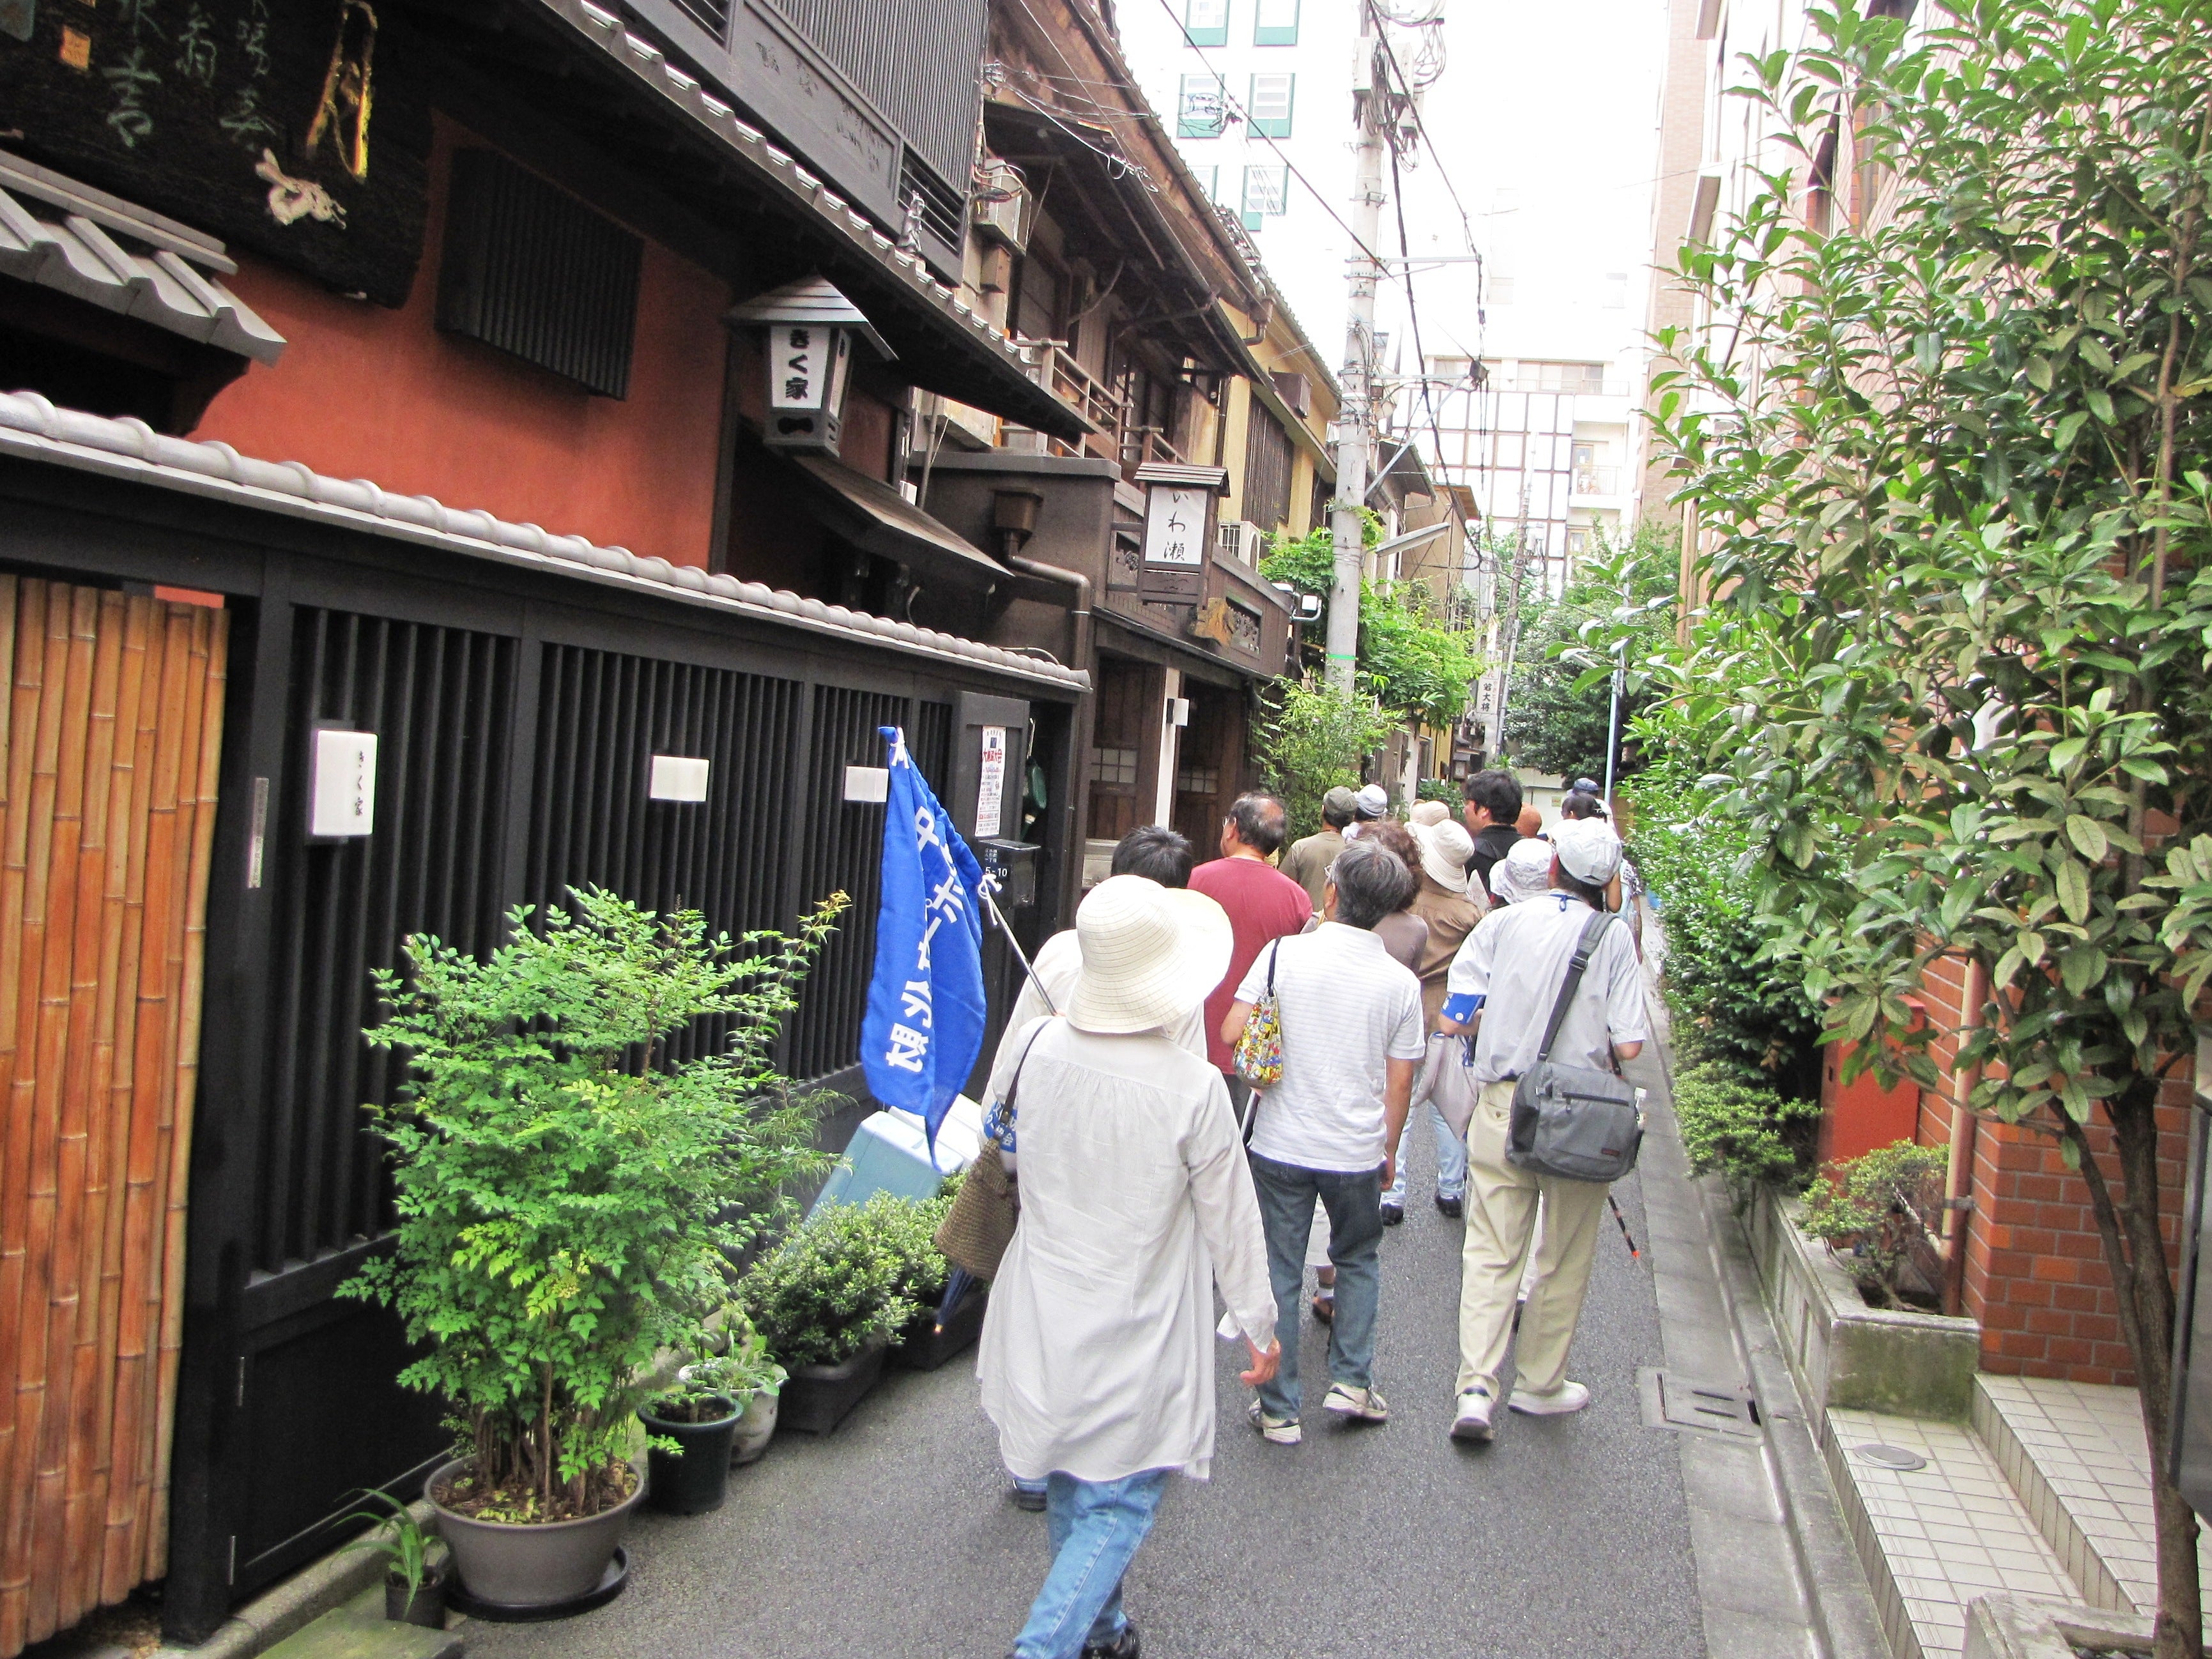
{"type": "Point", "coordinates": [1096, 1356]}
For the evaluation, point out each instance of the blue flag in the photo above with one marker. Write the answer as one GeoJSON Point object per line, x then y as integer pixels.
{"type": "Point", "coordinates": [926, 1004]}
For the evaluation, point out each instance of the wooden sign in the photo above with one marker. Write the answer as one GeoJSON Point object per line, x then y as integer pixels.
{"type": "Point", "coordinates": [298, 128]}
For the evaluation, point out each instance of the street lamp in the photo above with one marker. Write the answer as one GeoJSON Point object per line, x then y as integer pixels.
{"type": "Point", "coordinates": [1612, 719]}
{"type": "Point", "coordinates": [807, 333]}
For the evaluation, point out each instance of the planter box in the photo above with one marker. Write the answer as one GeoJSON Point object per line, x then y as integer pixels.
{"type": "Point", "coordinates": [1846, 1353]}
{"type": "Point", "coordinates": [817, 1398]}
{"type": "Point", "coordinates": [925, 1347]}
{"type": "Point", "coordinates": [2014, 1627]}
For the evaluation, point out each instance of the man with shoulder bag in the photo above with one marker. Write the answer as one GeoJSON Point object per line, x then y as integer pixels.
{"type": "Point", "coordinates": [1554, 994]}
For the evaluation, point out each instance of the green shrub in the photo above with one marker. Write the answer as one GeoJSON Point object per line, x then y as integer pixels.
{"type": "Point", "coordinates": [568, 1199]}
{"type": "Point", "coordinates": [1733, 1004]}
{"type": "Point", "coordinates": [1445, 790]}
{"type": "Point", "coordinates": [1312, 740]}
{"type": "Point", "coordinates": [1868, 1212]}
{"type": "Point", "coordinates": [837, 1285]}
{"type": "Point", "coordinates": [1752, 1137]}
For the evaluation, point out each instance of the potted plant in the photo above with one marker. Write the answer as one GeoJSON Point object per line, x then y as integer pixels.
{"type": "Point", "coordinates": [828, 1300]}
{"type": "Point", "coordinates": [748, 1374]}
{"type": "Point", "coordinates": [569, 1200]}
{"type": "Point", "coordinates": [689, 1429]}
{"type": "Point", "coordinates": [414, 1578]}
{"type": "Point", "coordinates": [930, 1338]}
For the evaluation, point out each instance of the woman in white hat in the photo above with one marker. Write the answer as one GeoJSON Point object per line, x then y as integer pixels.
{"type": "Point", "coordinates": [1136, 1200]}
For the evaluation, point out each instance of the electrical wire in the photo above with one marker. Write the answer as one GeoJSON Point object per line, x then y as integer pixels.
{"type": "Point", "coordinates": [1467, 224]}
{"type": "Point", "coordinates": [1420, 352]}
{"type": "Point", "coordinates": [1290, 167]}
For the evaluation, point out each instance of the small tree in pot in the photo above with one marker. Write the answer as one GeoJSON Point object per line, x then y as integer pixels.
{"type": "Point", "coordinates": [568, 1197]}
{"type": "Point", "coordinates": [829, 1299]}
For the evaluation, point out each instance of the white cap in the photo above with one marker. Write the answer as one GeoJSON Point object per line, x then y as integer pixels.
{"type": "Point", "coordinates": [1374, 801]}
{"type": "Point", "coordinates": [1150, 954]}
{"type": "Point", "coordinates": [1588, 850]}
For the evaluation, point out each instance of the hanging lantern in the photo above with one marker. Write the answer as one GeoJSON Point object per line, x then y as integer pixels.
{"type": "Point", "coordinates": [808, 333]}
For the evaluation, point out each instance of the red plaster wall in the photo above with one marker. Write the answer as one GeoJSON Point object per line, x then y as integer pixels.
{"type": "Point", "coordinates": [2035, 1270]}
{"type": "Point", "coordinates": [363, 392]}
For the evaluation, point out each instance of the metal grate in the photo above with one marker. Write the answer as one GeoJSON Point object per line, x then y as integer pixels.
{"type": "Point", "coordinates": [438, 700]}
{"type": "Point", "coordinates": [601, 718]}
{"type": "Point", "coordinates": [1670, 1402]}
{"type": "Point", "coordinates": [531, 270]}
{"type": "Point", "coordinates": [844, 852]}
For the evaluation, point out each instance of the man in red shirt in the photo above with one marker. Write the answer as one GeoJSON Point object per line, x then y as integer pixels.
{"type": "Point", "coordinates": [1262, 902]}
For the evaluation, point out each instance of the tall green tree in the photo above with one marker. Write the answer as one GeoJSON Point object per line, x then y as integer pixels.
{"type": "Point", "coordinates": [1949, 459]}
{"type": "Point", "coordinates": [1558, 708]}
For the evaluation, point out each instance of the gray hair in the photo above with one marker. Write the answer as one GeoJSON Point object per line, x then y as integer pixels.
{"type": "Point", "coordinates": [1257, 818]}
{"type": "Point", "coordinates": [1370, 882]}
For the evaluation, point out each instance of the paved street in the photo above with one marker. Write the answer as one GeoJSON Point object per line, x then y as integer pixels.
{"type": "Point", "coordinates": [896, 1536]}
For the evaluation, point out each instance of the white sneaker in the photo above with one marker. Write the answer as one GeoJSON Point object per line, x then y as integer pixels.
{"type": "Point", "coordinates": [1566, 1398]}
{"type": "Point", "coordinates": [1361, 1405]}
{"type": "Point", "coordinates": [1473, 1422]}
{"type": "Point", "coordinates": [1277, 1431]}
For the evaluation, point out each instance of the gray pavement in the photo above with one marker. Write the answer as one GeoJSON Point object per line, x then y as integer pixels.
{"type": "Point", "coordinates": [1567, 1537]}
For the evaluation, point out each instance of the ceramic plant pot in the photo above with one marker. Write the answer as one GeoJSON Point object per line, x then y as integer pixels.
{"type": "Point", "coordinates": [520, 1568]}
{"type": "Point", "coordinates": [690, 1481]}
{"type": "Point", "coordinates": [817, 1398]}
{"type": "Point", "coordinates": [755, 1430]}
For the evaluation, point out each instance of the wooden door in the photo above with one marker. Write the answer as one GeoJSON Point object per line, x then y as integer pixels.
{"type": "Point", "coordinates": [108, 753]}
{"type": "Point", "coordinates": [1120, 789]}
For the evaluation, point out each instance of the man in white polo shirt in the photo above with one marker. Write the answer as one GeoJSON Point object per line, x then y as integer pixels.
{"type": "Point", "coordinates": [1504, 982]}
{"type": "Point", "coordinates": [1351, 1042]}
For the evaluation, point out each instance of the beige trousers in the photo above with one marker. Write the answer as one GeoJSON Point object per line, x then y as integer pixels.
{"type": "Point", "coordinates": [1501, 1221]}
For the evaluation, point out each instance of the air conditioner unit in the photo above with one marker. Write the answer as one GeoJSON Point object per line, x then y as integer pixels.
{"type": "Point", "coordinates": [1296, 390]}
{"type": "Point", "coordinates": [1001, 204]}
{"type": "Point", "coordinates": [1241, 540]}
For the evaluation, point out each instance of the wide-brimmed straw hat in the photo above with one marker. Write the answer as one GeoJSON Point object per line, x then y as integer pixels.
{"type": "Point", "coordinates": [1445, 849]}
{"type": "Point", "coordinates": [1150, 954]}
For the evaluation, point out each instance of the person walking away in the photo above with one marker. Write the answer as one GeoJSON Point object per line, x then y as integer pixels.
{"type": "Point", "coordinates": [1510, 973]}
{"type": "Point", "coordinates": [1530, 823]}
{"type": "Point", "coordinates": [1351, 1040]}
{"type": "Point", "coordinates": [1097, 1363]}
{"type": "Point", "coordinates": [1307, 862]}
{"type": "Point", "coordinates": [1157, 853]}
{"type": "Point", "coordinates": [1493, 804]}
{"type": "Point", "coordinates": [1153, 851]}
{"type": "Point", "coordinates": [1450, 906]}
{"type": "Point", "coordinates": [1428, 814]}
{"type": "Point", "coordinates": [1403, 933]}
{"type": "Point", "coordinates": [1624, 892]}
{"type": "Point", "coordinates": [1263, 904]}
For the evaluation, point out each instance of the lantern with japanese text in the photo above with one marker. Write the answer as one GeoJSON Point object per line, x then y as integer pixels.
{"type": "Point", "coordinates": [808, 333]}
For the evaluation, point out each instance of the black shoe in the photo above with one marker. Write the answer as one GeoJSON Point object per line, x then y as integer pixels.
{"type": "Point", "coordinates": [1451, 1206]}
{"type": "Point", "coordinates": [1392, 1214]}
{"type": "Point", "coordinates": [1123, 1646]}
{"type": "Point", "coordinates": [1026, 1499]}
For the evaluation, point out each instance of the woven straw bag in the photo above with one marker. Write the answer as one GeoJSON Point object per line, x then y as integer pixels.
{"type": "Point", "coordinates": [975, 1233]}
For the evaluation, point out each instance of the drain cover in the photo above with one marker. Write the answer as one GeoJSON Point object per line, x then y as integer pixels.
{"type": "Point", "coordinates": [1889, 1457]}
{"type": "Point", "coordinates": [1671, 1401]}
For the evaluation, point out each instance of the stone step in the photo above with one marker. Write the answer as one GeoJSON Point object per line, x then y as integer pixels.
{"type": "Point", "coordinates": [2077, 1456]}
{"type": "Point", "coordinates": [1934, 1538]}
{"type": "Point", "coordinates": [359, 1630]}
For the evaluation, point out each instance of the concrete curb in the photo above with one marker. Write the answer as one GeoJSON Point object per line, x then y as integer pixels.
{"type": "Point", "coordinates": [1846, 1620]}
{"type": "Point", "coordinates": [291, 1605]}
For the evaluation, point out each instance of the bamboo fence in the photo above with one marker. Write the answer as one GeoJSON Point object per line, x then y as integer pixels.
{"type": "Point", "coordinates": [108, 753]}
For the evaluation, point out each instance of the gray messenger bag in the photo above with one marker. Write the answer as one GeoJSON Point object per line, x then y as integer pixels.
{"type": "Point", "coordinates": [1574, 1122]}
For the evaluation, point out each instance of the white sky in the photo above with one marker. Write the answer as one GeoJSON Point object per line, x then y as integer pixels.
{"type": "Point", "coordinates": [1546, 121]}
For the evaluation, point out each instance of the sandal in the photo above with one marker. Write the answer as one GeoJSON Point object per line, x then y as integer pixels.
{"type": "Point", "coordinates": [1324, 1307]}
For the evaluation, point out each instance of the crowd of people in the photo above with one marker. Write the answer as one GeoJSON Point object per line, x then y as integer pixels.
{"type": "Point", "coordinates": [1383, 969]}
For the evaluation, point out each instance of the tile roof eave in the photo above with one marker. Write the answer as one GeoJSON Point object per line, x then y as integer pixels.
{"type": "Point", "coordinates": [31, 428]}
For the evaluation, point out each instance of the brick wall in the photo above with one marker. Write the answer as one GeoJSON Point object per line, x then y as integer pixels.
{"type": "Point", "coordinates": [2035, 1271]}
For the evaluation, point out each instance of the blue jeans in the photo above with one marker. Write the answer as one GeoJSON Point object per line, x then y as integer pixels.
{"type": "Point", "coordinates": [1451, 1163]}
{"type": "Point", "coordinates": [1096, 1527]}
{"type": "Point", "coordinates": [1354, 1203]}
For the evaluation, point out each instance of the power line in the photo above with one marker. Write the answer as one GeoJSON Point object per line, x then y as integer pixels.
{"type": "Point", "coordinates": [1290, 167]}
{"type": "Point", "coordinates": [1406, 86]}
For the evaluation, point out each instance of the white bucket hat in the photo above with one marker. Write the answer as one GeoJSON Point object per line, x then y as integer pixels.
{"type": "Point", "coordinates": [1445, 849]}
{"type": "Point", "coordinates": [1428, 813]}
{"type": "Point", "coordinates": [1525, 871]}
{"type": "Point", "coordinates": [1150, 954]}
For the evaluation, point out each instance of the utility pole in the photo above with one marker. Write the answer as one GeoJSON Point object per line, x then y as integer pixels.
{"type": "Point", "coordinates": [1355, 421]}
